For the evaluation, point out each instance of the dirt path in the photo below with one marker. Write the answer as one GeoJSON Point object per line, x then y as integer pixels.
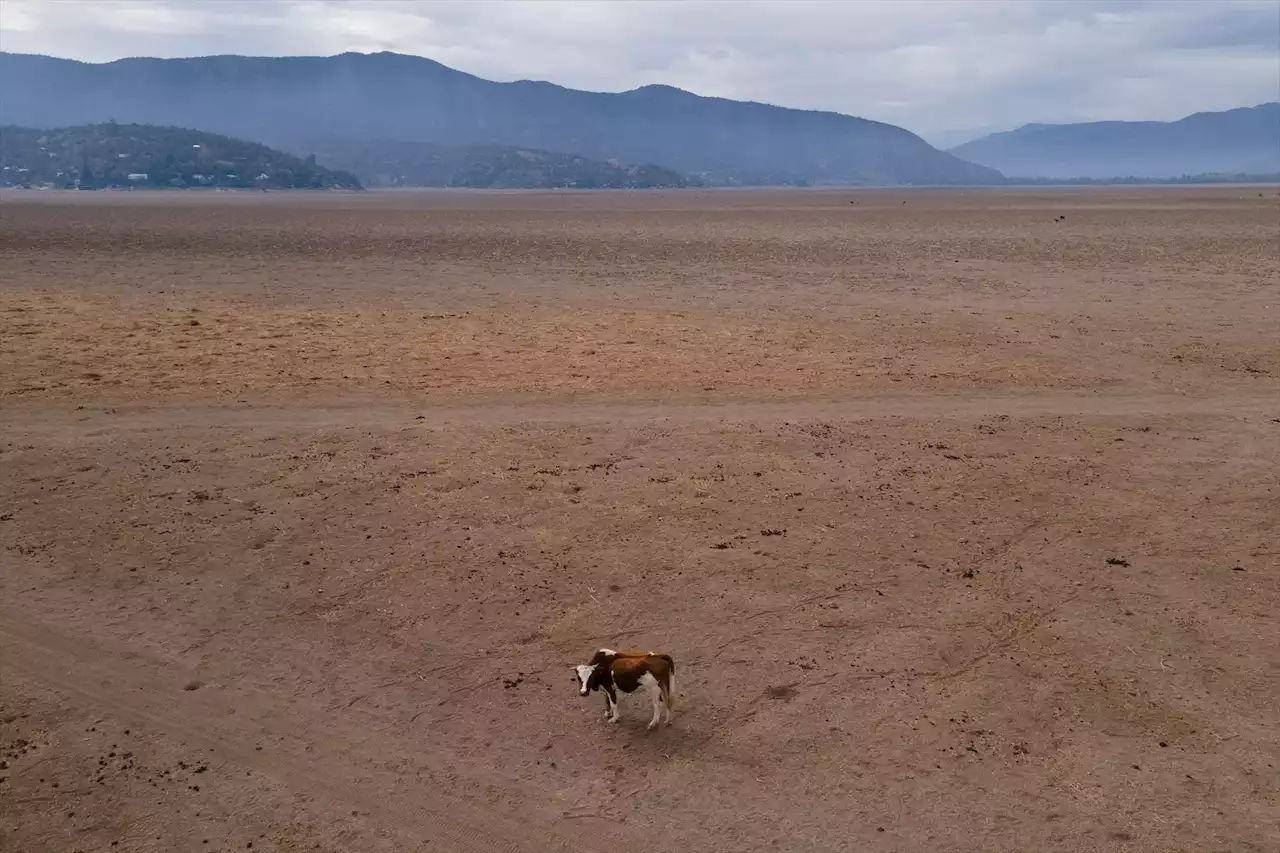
{"type": "Point", "coordinates": [104, 420]}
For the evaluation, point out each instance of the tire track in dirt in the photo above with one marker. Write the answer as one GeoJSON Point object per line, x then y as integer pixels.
{"type": "Point", "coordinates": [321, 766]}
{"type": "Point", "coordinates": [52, 419]}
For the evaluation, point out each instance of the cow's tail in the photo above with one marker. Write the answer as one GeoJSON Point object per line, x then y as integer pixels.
{"type": "Point", "coordinates": [670, 687]}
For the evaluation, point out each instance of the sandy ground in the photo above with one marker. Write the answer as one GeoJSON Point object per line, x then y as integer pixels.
{"type": "Point", "coordinates": [961, 520]}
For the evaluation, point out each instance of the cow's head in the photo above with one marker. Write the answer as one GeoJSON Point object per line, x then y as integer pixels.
{"type": "Point", "coordinates": [587, 680]}
{"type": "Point", "coordinates": [592, 675]}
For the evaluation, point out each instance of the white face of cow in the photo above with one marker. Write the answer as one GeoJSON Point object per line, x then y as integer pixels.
{"type": "Point", "coordinates": [585, 671]}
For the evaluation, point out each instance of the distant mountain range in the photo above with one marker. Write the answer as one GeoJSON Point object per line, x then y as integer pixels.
{"type": "Point", "coordinates": [1245, 140]}
{"type": "Point", "coordinates": [301, 103]}
{"type": "Point", "coordinates": [134, 155]}
{"type": "Point", "coordinates": [383, 163]}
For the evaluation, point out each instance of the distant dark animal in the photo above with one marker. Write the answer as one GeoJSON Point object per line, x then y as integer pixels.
{"type": "Point", "coordinates": [612, 671]}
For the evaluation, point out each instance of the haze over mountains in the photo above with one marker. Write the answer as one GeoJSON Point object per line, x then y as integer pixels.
{"type": "Point", "coordinates": [296, 102]}
{"type": "Point", "coordinates": [368, 112]}
{"type": "Point", "coordinates": [1245, 140]}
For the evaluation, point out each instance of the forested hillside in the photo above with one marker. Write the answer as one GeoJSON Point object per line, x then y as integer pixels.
{"type": "Point", "coordinates": [135, 155]}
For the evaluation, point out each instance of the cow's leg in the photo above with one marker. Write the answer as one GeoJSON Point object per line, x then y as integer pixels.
{"type": "Point", "coordinates": [655, 695]}
{"type": "Point", "coordinates": [613, 704]}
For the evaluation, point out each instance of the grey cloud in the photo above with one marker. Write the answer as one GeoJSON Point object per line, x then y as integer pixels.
{"type": "Point", "coordinates": [933, 66]}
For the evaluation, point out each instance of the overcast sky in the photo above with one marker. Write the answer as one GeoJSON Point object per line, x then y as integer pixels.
{"type": "Point", "coordinates": [933, 66]}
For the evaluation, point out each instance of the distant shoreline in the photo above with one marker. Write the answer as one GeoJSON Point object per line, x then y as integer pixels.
{"type": "Point", "coordinates": [779, 188]}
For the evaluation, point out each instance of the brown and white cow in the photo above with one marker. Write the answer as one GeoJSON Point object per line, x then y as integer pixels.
{"type": "Point", "coordinates": [612, 671]}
